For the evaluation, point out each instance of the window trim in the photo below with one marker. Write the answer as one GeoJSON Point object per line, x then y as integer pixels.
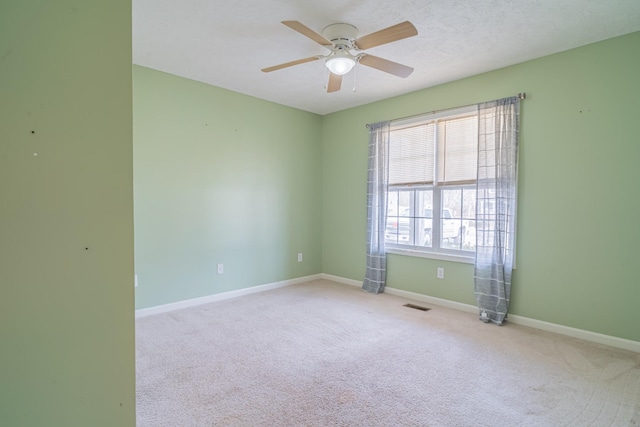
{"type": "Point", "coordinates": [431, 255]}
{"type": "Point", "coordinates": [423, 251]}
{"type": "Point", "coordinates": [436, 187]}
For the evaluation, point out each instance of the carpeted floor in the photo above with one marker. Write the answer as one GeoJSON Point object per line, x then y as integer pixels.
{"type": "Point", "coordinates": [326, 354]}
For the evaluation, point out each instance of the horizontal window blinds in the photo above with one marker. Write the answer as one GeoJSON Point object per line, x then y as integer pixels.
{"type": "Point", "coordinates": [412, 155]}
{"type": "Point", "coordinates": [415, 149]}
{"type": "Point", "coordinates": [458, 150]}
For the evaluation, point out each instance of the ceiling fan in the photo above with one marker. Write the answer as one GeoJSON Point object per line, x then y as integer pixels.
{"type": "Point", "coordinates": [341, 40]}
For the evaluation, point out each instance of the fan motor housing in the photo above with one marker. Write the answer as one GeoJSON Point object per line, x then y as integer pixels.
{"type": "Point", "coordinates": [340, 33]}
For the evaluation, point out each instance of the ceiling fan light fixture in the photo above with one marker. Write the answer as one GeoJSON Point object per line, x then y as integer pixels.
{"type": "Point", "coordinates": [340, 63]}
{"type": "Point", "coordinates": [341, 39]}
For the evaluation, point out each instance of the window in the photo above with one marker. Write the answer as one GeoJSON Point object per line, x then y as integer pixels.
{"type": "Point", "coordinates": [431, 200]}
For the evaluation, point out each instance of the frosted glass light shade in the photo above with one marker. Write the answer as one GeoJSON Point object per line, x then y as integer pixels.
{"type": "Point", "coordinates": [340, 64]}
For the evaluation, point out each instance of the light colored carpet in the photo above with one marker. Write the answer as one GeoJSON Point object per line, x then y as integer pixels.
{"type": "Point", "coordinates": [326, 354]}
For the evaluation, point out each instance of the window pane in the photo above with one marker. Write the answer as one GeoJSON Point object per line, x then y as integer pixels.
{"type": "Point", "coordinates": [450, 218]}
{"type": "Point", "coordinates": [399, 220]}
{"type": "Point", "coordinates": [468, 219]}
{"type": "Point", "coordinates": [404, 218]}
{"type": "Point", "coordinates": [452, 201]}
{"type": "Point", "coordinates": [458, 218]}
{"type": "Point", "coordinates": [424, 201]}
{"type": "Point", "coordinates": [391, 231]}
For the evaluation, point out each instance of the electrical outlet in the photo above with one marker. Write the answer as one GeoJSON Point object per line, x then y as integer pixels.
{"type": "Point", "coordinates": [440, 273]}
{"type": "Point", "coordinates": [299, 256]}
{"type": "Point", "coordinates": [220, 268]}
{"type": "Point", "coordinates": [135, 281]}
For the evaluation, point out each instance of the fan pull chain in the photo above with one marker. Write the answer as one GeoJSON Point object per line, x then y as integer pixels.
{"type": "Point", "coordinates": [325, 78]}
{"type": "Point", "coordinates": [354, 79]}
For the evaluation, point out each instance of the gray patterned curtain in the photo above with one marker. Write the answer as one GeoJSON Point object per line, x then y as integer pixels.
{"type": "Point", "coordinates": [498, 126]}
{"type": "Point", "coordinates": [377, 183]}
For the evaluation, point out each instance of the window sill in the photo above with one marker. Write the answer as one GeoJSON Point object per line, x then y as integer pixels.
{"type": "Point", "coordinates": [432, 255]}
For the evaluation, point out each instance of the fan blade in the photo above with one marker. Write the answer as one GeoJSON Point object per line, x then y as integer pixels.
{"type": "Point", "coordinates": [397, 32]}
{"type": "Point", "coordinates": [308, 32]}
{"type": "Point", "coordinates": [290, 64]}
{"type": "Point", "coordinates": [385, 65]}
{"type": "Point", "coordinates": [335, 81]}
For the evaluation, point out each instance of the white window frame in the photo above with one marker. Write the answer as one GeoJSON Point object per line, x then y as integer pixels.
{"type": "Point", "coordinates": [435, 251]}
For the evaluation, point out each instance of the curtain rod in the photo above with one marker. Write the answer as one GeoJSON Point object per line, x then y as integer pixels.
{"type": "Point", "coordinates": [522, 95]}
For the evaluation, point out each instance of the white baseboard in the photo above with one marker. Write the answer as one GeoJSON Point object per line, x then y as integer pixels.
{"type": "Point", "coordinates": [515, 319]}
{"type": "Point", "coordinates": [344, 281]}
{"type": "Point", "coordinates": [144, 312]}
{"type": "Point", "coordinates": [582, 334]}
{"type": "Point", "coordinates": [432, 300]}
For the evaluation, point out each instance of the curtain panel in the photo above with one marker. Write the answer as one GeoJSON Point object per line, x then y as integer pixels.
{"type": "Point", "coordinates": [496, 203]}
{"type": "Point", "coordinates": [377, 184]}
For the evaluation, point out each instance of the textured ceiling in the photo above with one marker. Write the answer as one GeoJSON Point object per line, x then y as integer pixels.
{"type": "Point", "coordinates": [226, 43]}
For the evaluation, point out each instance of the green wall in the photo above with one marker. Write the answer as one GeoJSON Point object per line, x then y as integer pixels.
{"type": "Point", "coordinates": [578, 229]}
{"type": "Point", "coordinates": [221, 177]}
{"type": "Point", "coordinates": [66, 215]}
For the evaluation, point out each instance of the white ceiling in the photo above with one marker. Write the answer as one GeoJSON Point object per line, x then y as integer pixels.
{"type": "Point", "coordinates": [226, 43]}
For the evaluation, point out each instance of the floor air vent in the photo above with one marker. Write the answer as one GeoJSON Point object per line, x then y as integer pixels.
{"type": "Point", "coordinates": [417, 307]}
